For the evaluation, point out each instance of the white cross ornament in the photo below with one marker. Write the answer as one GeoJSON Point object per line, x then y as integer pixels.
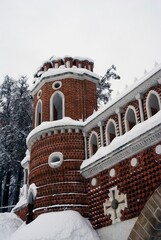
{"type": "Point", "coordinates": [115, 204]}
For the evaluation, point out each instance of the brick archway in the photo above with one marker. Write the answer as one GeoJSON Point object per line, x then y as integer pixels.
{"type": "Point", "coordinates": [148, 224]}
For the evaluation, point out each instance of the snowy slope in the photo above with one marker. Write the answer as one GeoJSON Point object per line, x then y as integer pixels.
{"type": "Point", "coordinates": [9, 223]}
{"type": "Point", "coordinates": [65, 225]}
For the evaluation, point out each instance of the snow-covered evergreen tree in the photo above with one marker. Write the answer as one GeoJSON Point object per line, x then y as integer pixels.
{"type": "Point", "coordinates": [15, 124]}
{"type": "Point", "coordinates": [104, 86]}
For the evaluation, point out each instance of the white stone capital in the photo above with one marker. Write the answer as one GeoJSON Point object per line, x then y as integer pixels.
{"type": "Point", "coordinates": [139, 96]}
{"type": "Point", "coordinates": [119, 110]}
{"type": "Point", "coordinates": [101, 124]}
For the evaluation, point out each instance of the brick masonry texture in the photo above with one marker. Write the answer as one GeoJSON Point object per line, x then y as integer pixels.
{"type": "Point", "coordinates": [63, 185]}
{"type": "Point", "coordinates": [137, 182]}
{"type": "Point", "coordinates": [148, 225]}
{"type": "Point", "coordinates": [80, 99]}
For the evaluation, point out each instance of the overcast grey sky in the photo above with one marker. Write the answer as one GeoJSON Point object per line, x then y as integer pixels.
{"type": "Point", "coordinates": [126, 33]}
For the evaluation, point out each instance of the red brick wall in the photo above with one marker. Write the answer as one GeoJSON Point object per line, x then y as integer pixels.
{"type": "Point", "coordinates": [22, 213]}
{"type": "Point", "coordinates": [137, 182]}
{"type": "Point", "coordinates": [80, 99]}
{"type": "Point", "coordinates": [62, 185]}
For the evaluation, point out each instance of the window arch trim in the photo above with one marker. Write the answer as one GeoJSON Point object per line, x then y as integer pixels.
{"type": "Point", "coordinates": [90, 145]}
{"type": "Point", "coordinates": [36, 113]}
{"type": "Point", "coordinates": [51, 104]}
{"type": "Point", "coordinates": [125, 118]}
{"type": "Point", "coordinates": [106, 130]}
{"type": "Point", "coordinates": [151, 92]}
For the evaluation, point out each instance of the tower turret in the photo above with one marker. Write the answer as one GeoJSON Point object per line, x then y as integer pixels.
{"type": "Point", "coordinates": [64, 93]}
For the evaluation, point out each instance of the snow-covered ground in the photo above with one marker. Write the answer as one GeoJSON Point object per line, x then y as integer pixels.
{"type": "Point", "coordinates": [65, 225]}
{"type": "Point", "coordinates": [9, 223]}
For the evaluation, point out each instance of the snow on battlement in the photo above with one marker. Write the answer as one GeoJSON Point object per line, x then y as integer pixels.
{"type": "Point", "coordinates": [62, 65]}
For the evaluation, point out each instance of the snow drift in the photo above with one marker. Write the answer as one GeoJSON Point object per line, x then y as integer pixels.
{"type": "Point", "coordinates": [9, 223]}
{"type": "Point", "coordinates": [65, 225]}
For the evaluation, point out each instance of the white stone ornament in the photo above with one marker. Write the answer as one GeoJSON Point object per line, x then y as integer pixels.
{"type": "Point", "coordinates": [158, 149]}
{"type": "Point", "coordinates": [39, 94]}
{"type": "Point", "coordinates": [112, 172]}
{"type": "Point", "coordinates": [134, 162]}
{"type": "Point", "coordinates": [94, 182]}
{"type": "Point", "coordinates": [55, 159]}
{"type": "Point", "coordinates": [115, 204]}
{"type": "Point", "coordinates": [56, 85]}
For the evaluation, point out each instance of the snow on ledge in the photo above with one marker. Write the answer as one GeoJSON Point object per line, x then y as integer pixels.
{"type": "Point", "coordinates": [66, 121]}
{"type": "Point", "coordinates": [51, 72]}
{"type": "Point", "coordinates": [62, 69]}
{"type": "Point", "coordinates": [119, 141]}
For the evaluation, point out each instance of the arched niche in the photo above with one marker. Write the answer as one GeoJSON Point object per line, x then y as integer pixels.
{"type": "Point", "coordinates": [152, 103]}
{"type": "Point", "coordinates": [130, 118]}
{"type": "Point", "coordinates": [93, 143]}
{"type": "Point", "coordinates": [38, 113]}
{"type": "Point", "coordinates": [110, 131]}
{"type": "Point", "coordinates": [57, 106]}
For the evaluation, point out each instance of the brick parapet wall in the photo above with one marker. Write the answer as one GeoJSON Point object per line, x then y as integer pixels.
{"type": "Point", "coordinates": [137, 182]}
{"type": "Point", "coordinates": [67, 62]}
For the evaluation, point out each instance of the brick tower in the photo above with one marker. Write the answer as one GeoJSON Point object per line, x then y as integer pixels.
{"type": "Point", "coordinates": [64, 93]}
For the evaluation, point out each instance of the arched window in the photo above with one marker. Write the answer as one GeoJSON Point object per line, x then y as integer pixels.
{"type": "Point", "coordinates": [93, 143]}
{"type": "Point", "coordinates": [110, 131]}
{"type": "Point", "coordinates": [130, 118]}
{"type": "Point", "coordinates": [38, 113]}
{"type": "Point", "coordinates": [57, 106]}
{"type": "Point", "coordinates": [152, 103]}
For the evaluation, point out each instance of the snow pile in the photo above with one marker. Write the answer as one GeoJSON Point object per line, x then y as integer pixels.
{"type": "Point", "coordinates": [9, 223]}
{"type": "Point", "coordinates": [120, 141]}
{"type": "Point", "coordinates": [66, 225]}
